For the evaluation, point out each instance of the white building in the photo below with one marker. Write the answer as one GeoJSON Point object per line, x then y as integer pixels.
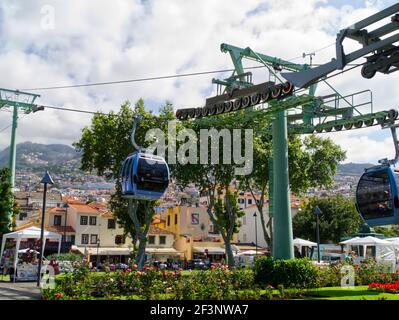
{"type": "Point", "coordinates": [247, 233]}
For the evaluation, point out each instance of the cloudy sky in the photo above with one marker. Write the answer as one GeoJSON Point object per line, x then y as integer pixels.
{"type": "Point", "coordinates": [56, 43]}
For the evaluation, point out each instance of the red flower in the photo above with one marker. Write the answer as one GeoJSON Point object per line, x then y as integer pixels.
{"type": "Point", "coordinates": [59, 295]}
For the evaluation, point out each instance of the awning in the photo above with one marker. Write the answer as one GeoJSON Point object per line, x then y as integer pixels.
{"type": "Point", "coordinates": [113, 251]}
{"type": "Point", "coordinates": [164, 251]}
{"type": "Point", "coordinates": [211, 250]}
{"type": "Point", "coordinates": [102, 251]}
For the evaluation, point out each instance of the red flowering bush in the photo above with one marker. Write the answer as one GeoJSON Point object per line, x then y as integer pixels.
{"type": "Point", "coordinates": [385, 287]}
{"type": "Point", "coordinates": [152, 283]}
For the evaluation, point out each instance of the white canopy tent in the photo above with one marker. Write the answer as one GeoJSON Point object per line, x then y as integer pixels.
{"type": "Point", "coordinates": [385, 250]}
{"type": "Point", "coordinates": [394, 241]}
{"type": "Point", "coordinates": [299, 243]}
{"type": "Point", "coordinates": [28, 233]}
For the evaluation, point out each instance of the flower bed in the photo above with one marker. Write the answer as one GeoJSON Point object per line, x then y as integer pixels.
{"type": "Point", "coordinates": [219, 284]}
{"type": "Point", "coordinates": [385, 287]}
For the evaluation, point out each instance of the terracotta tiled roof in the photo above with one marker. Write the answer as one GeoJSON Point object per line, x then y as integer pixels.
{"type": "Point", "coordinates": [83, 208]}
{"type": "Point", "coordinates": [108, 214]}
{"type": "Point", "coordinates": [60, 229]}
{"type": "Point", "coordinates": [98, 205]}
{"type": "Point", "coordinates": [57, 210]}
{"type": "Point", "coordinates": [156, 230]}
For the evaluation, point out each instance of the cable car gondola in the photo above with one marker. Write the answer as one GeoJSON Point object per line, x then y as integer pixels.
{"type": "Point", "coordinates": [143, 175]}
{"type": "Point", "coordinates": [377, 192]}
{"type": "Point", "coordinates": [377, 196]}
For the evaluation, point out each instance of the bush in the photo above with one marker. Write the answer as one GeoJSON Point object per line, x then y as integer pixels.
{"type": "Point", "coordinates": [220, 283]}
{"type": "Point", "coordinates": [65, 257]}
{"type": "Point", "coordinates": [294, 273]}
{"type": "Point", "coordinates": [371, 271]}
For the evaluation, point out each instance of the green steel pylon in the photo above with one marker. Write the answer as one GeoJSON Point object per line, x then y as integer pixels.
{"type": "Point", "coordinates": [17, 100]}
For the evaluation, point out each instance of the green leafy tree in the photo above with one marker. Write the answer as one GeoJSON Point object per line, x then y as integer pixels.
{"type": "Point", "coordinates": [212, 178]}
{"type": "Point", "coordinates": [389, 232]}
{"type": "Point", "coordinates": [104, 146]}
{"type": "Point", "coordinates": [6, 202]}
{"type": "Point", "coordinates": [225, 215]}
{"type": "Point", "coordinates": [339, 219]}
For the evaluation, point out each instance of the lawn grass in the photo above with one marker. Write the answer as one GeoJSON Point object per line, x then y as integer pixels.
{"type": "Point", "coordinates": [356, 293]}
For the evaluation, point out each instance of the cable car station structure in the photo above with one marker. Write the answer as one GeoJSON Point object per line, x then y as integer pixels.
{"type": "Point", "coordinates": [290, 110]}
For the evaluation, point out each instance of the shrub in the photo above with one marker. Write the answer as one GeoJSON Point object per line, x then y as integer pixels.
{"type": "Point", "coordinates": [371, 271]}
{"type": "Point", "coordinates": [65, 257]}
{"type": "Point", "coordinates": [220, 283]}
{"type": "Point", "coordinates": [294, 273]}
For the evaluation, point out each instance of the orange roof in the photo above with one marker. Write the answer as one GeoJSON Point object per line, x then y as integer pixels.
{"type": "Point", "coordinates": [83, 208]}
{"type": "Point", "coordinates": [98, 205]}
{"type": "Point", "coordinates": [108, 214]}
{"type": "Point", "coordinates": [60, 229]}
{"type": "Point", "coordinates": [57, 210]}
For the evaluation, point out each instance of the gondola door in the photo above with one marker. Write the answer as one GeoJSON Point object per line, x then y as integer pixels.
{"type": "Point", "coordinates": [377, 196]}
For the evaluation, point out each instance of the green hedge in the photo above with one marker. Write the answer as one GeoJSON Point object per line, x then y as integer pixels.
{"type": "Point", "coordinates": [294, 273]}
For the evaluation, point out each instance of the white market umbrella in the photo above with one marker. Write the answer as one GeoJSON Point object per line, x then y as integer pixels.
{"type": "Point", "coordinates": [298, 242]}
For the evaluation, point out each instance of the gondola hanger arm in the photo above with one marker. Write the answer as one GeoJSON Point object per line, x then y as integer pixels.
{"type": "Point", "coordinates": [136, 122]}
{"type": "Point", "coordinates": [393, 161]}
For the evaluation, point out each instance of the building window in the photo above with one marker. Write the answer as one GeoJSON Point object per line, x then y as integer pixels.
{"type": "Point", "coordinates": [249, 201]}
{"type": "Point", "coordinates": [175, 218]}
{"type": "Point", "coordinates": [57, 220]}
{"type": "Point", "coordinates": [111, 224]}
{"type": "Point", "coordinates": [240, 200]}
{"type": "Point", "coordinates": [162, 239]}
{"type": "Point", "coordinates": [93, 221]}
{"type": "Point", "coordinates": [151, 240]}
{"type": "Point", "coordinates": [195, 218]}
{"type": "Point", "coordinates": [119, 239]}
{"type": "Point", "coordinates": [83, 220]}
{"type": "Point", "coordinates": [93, 239]}
{"type": "Point", "coordinates": [85, 239]}
{"type": "Point", "coordinates": [168, 221]}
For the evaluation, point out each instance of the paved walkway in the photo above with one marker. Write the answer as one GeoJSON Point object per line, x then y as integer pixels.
{"type": "Point", "coordinates": [19, 291]}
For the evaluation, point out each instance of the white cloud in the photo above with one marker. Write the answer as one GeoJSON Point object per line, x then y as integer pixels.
{"type": "Point", "coordinates": [99, 40]}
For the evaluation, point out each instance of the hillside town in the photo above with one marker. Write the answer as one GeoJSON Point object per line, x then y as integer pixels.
{"type": "Point", "coordinates": [159, 151]}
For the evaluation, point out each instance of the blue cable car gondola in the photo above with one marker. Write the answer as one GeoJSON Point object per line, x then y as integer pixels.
{"type": "Point", "coordinates": [143, 176]}
{"type": "Point", "coordinates": [377, 192]}
{"type": "Point", "coordinates": [377, 196]}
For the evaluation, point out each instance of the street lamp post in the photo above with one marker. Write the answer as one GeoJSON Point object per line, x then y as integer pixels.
{"type": "Point", "coordinates": [256, 234]}
{"type": "Point", "coordinates": [318, 212]}
{"type": "Point", "coordinates": [46, 180]}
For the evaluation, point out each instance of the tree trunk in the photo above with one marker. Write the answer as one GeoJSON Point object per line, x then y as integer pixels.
{"type": "Point", "coordinates": [264, 228]}
{"type": "Point", "coordinates": [141, 235]}
{"type": "Point", "coordinates": [229, 252]}
{"type": "Point", "coordinates": [140, 257]}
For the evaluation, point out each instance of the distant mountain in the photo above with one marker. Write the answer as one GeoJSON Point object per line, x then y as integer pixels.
{"type": "Point", "coordinates": [353, 168]}
{"type": "Point", "coordinates": [62, 158]}
{"type": "Point", "coordinates": [38, 156]}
